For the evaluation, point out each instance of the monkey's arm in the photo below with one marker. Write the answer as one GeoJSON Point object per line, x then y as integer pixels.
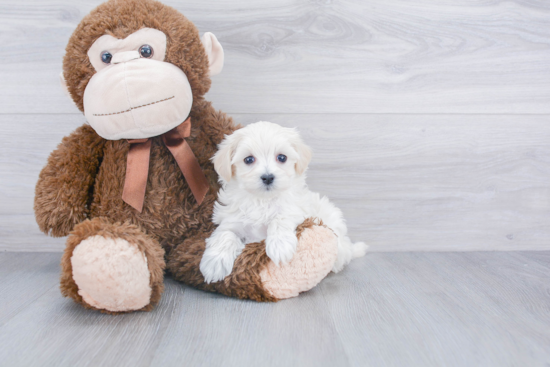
{"type": "Point", "coordinates": [62, 194]}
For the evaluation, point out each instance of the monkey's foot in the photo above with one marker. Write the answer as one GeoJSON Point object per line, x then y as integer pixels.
{"type": "Point", "coordinates": [315, 255]}
{"type": "Point", "coordinates": [111, 274]}
{"type": "Point", "coordinates": [112, 267]}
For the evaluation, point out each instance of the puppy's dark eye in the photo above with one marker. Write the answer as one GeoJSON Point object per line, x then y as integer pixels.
{"type": "Point", "coordinates": [249, 160]}
{"type": "Point", "coordinates": [281, 158]}
{"type": "Point", "coordinates": [106, 57]}
{"type": "Point", "coordinates": [146, 51]}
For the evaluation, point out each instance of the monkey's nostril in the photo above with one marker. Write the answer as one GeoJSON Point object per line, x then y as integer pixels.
{"type": "Point", "coordinates": [267, 179]}
{"type": "Point", "coordinates": [124, 56]}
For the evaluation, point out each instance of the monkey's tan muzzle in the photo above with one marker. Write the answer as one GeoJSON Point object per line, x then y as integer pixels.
{"type": "Point", "coordinates": [136, 98]}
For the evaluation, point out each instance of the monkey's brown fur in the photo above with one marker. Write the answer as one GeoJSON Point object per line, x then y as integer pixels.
{"type": "Point", "coordinates": [79, 190]}
{"type": "Point", "coordinates": [121, 18]}
{"type": "Point", "coordinates": [128, 232]}
{"type": "Point", "coordinates": [243, 282]}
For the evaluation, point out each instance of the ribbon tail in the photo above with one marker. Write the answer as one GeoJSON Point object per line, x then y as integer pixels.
{"type": "Point", "coordinates": [137, 169]}
{"type": "Point", "coordinates": [191, 169]}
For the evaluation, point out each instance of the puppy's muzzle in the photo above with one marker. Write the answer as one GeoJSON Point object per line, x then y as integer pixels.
{"type": "Point", "coordinates": [267, 179]}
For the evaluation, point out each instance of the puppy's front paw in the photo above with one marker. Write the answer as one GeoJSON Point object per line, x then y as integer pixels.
{"type": "Point", "coordinates": [222, 248]}
{"type": "Point", "coordinates": [280, 248]}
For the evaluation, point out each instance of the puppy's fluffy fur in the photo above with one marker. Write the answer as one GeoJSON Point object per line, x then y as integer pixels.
{"type": "Point", "coordinates": [251, 209]}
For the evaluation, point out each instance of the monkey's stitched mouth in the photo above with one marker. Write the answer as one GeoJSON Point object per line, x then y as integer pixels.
{"type": "Point", "coordinates": [132, 108]}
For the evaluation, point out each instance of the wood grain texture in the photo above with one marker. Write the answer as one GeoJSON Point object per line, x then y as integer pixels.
{"type": "Point", "coordinates": [404, 182]}
{"type": "Point", "coordinates": [62, 333]}
{"type": "Point", "coordinates": [24, 279]}
{"type": "Point", "coordinates": [291, 56]}
{"type": "Point", "coordinates": [443, 309]}
{"type": "Point", "coordinates": [386, 309]}
{"type": "Point", "coordinates": [296, 332]}
{"type": "Point", "coordinates": [26, 142]}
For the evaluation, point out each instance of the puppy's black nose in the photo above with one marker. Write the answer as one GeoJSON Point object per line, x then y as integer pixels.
{"type": "Point", "coordinates": [268, 179]}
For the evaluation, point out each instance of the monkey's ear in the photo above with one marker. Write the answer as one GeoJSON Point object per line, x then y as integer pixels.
{"type": "Point", "coordinates": [65, 88]}
{"type": "Point", "coordinates": [214, 51]}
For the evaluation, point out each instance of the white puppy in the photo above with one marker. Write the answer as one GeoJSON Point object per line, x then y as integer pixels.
{"type": "Point", "coordinates": [264, 196]}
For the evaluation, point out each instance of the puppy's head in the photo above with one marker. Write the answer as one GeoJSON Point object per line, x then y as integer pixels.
{"type": "Point", "coordinates": [264, 158]}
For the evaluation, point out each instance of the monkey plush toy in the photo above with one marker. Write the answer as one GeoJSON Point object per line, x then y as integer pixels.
{"type": "Point", "coordinates": [134, 188]}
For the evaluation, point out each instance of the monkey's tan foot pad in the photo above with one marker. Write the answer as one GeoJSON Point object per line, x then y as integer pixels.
{"type": "Point", "coordinates": [111, 274]}
{"type": "Point", "coordinates": [315, 255]}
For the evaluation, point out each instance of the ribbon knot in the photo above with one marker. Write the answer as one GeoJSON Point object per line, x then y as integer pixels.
{"type": "Point", "coordinates": [137, 165]}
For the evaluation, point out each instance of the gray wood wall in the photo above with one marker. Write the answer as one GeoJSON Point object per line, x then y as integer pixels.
{"type": "Point", "coordinates": [430, 121]}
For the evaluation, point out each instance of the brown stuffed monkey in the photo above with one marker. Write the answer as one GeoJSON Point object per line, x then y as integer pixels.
{"type": "Point", "coordinates": [134, 188]}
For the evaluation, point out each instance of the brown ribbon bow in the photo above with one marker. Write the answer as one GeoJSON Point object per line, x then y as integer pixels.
{"type": "Point", "coordinates": [137, 165]}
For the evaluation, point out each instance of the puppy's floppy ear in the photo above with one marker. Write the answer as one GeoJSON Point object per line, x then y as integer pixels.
{"type": "Point", "coordinates": [304, 153]}
{"type": "Point", "coordinates": [224, 155]}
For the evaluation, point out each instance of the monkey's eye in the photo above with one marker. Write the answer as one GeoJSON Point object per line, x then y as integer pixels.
{"type": "Point", "coordinates": [281, 158]}
{"type": "Point", "coordinates": [146, 51]}
{"type": "Point", "coordinates": [106, 57]}
{"type": "Point", "coordinates": [249, 160]}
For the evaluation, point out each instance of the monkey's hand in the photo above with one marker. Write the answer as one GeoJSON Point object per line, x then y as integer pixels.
{"type": "Point", "coordinates": [63, 189]}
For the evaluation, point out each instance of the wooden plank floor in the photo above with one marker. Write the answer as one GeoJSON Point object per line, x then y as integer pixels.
{"type": "Point", "coordinates": [386, 309]}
